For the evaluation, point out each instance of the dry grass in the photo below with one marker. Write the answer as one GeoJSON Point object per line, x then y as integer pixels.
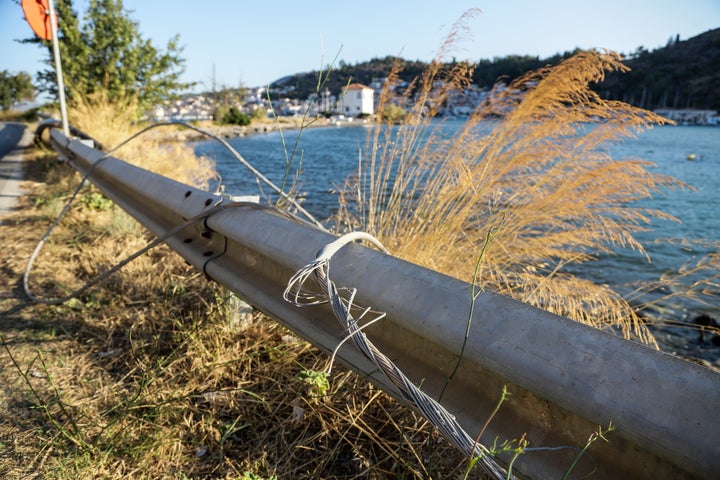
{"type": "Point", "coordinates": [156, 375]}
{"type": "Point", "coordinates": [111, 123]}
{"type": "Point", "coordinates": [530, 165]}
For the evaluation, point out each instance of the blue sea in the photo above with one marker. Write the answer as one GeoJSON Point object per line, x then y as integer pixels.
{"type": "Point", "coordinates": [690, 154]}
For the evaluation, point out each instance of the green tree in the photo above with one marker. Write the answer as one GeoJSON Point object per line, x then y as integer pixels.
{"type": "Point", "coordinates": [392, 113]}
{"type": "Point", "coordinates": [106, 53]}
{"type": "Point", "coordinates": [231, 116]}
{"type": "Point", "coordinates": [14, 89]}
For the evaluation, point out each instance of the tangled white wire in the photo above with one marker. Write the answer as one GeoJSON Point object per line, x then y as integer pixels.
{"type": "Point", "coordinates": [299, 293]}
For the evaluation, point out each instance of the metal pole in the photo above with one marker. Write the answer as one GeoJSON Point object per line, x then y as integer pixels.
{"type": "Point", "coordinates": [58, 69]}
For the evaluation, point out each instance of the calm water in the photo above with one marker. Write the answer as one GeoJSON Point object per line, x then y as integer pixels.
{"type": "Point", "coordinates": [326, 156]}
{"type": "Point", "coordinates": [329, 155]}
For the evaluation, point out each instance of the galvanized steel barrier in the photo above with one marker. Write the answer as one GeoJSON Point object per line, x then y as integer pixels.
{"type": "Point", "coordinates": [565, 379]}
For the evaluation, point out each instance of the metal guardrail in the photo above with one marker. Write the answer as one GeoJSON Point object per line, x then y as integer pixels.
{"type": "Point", "coordinates": [565, 378]}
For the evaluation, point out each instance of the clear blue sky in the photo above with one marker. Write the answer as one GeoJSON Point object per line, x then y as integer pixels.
{"type": "Point", "coordinates": [255, 42]}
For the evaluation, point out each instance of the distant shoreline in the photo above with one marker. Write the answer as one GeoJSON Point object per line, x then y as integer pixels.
{"type": "Point", "coordinates": [180, 134]}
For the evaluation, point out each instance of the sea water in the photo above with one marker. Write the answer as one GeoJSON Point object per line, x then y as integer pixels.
{"type": "Point", "coordinates": [690, 154]}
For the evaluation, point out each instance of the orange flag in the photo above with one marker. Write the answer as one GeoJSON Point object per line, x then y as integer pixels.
{"type": "Point", "coordinates": [37, 14]}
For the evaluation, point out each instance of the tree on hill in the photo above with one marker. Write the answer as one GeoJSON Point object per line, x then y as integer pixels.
{"type": "Point", "coordinates": [510, 67]}
{"type": "Point", "coordinates": [106, 53]}
{"type": "Point", "coordinates": [683, 74]}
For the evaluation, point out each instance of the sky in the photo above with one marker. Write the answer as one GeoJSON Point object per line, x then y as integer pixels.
{"type": "Point", "coordinates": [253, 43]}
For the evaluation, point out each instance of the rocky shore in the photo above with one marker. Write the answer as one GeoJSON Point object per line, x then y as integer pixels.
{"type": "Point", "coordinates": [180, 134]}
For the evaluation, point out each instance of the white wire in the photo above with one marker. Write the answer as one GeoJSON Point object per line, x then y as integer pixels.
{"type": "Point", "coordinates": [300, 294]}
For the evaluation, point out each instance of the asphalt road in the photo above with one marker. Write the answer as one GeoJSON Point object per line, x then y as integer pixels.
{"type": "Point", "coordinates": [14, 139]}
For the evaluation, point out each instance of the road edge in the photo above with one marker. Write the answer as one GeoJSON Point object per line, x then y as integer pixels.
{"type": "Point", "coordinates": [12, 188]}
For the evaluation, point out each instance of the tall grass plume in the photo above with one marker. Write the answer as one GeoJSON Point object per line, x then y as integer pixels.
{"type": "Point", "coordinates": [533, 157]}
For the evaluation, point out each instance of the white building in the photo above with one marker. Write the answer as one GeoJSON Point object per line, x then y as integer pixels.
{"type": "Point", "coordinates": [357, 99]}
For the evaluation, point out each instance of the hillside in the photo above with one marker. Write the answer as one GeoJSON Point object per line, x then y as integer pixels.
{"type": "Point", "coordinates": [301, 85]}
{"type": "Point", "coordinates": [683, 74]}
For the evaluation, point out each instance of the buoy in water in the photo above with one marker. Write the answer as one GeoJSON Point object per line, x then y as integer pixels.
{"type": "Point", "coordinates": [692, 156]}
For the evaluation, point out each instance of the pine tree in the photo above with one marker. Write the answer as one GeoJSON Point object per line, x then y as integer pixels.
{"type": "Point", "coordinates": [106, 53]}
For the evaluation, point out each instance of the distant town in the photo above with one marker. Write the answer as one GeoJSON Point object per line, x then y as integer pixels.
{"type": "Point", "coordinates": [356, 100]}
